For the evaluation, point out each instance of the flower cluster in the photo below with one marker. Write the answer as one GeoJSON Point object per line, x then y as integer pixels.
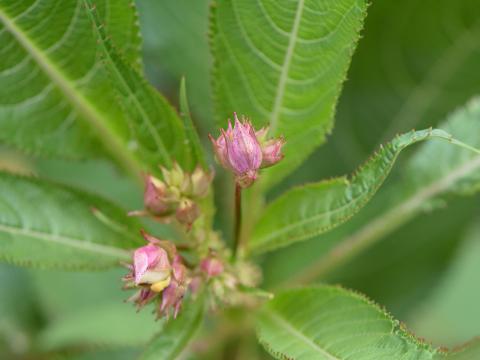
{"type": "Point", "coordinates": [244, 151]}
{"type": "Point", "coordinates": [158, 271]}
{"type": "Point", "coordinates": [160, 274]}
{"type": "Point", "coordinates": [176, 196]}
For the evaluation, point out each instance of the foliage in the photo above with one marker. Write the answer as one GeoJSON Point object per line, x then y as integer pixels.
{"type": "Point", "coordinates": [331, 323]}
{"type": "Point", "coordinates": [75, 103]}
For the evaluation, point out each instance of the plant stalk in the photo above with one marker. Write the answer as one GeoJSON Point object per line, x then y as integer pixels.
{"type": "Point", "coordinates": [238, 219]}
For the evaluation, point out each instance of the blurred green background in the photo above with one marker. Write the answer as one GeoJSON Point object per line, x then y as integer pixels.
{"type": "Point", "coordinates": [416, 62]}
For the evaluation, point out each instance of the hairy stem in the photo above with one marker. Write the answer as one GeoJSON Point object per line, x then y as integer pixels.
{"type": "Point", "coordinates": [238, 219]}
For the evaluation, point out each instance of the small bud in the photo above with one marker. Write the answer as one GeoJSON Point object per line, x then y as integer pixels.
{"type": "Point", "coordinates": [220, 147]}
{"type": "Point", "coordinates": [272, 152]}
{"type": "Point", "coordinates": [155, 198]}
{"type": "Point", "coordinates": [211, 266]}
{"type": "Point", "coordinates": [200, 181]}
{"type": "Point", "coordinates": [176, 178]}
{"type": "Point", "coordinates": [187, 212]}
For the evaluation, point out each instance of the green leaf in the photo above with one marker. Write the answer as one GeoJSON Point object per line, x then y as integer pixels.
{"type": "Point", "coordinates": [198, 155]}
{"type": "Point", "coordinates": [156, 129]}
{"type": "Point", "coordinates": [332, 323]}
{"type": "Point", "coordinates": [108, 324]}
{"type": "Point", "coordinates": [313, 209]}
{"type": "Point", "coordinates": [177, 333]}
{"type": "Point", "coordinates": [283, 64]}
{"type": "Point", "coordinates": [435, 171]}
{"type": "Point", "coordinates": [409, 74]}
{"type": "Point", "coordinates": [46, 225]}
{"type": "Point", "coordinates": [59, 101]}
{"type": "Point", "coordinates": [173, 50]}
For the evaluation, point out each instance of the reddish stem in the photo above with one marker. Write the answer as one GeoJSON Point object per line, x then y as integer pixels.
{"type": "Point", "coordinates": [238, 219]}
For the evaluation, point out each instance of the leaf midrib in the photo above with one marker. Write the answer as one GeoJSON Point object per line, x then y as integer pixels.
{"type": "Point", "coordinates": [283, 323]}
{"type": "Point", "coordinates": [67, 241]}
{"type": "Point", "coordinates": [282, 82]}
{"type": "Point", "coordinates": [88, 111]}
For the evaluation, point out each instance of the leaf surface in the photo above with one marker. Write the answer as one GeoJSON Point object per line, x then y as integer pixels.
{"type": "Point", "coordinates": [108, 324]}
{"type": "Point", "coordinates": [313, 209]}
{"type": "Point", "coordinates": [434, 172]}
{"type": "Point", "coordinates": [46, 225]}
{"type": "Point", "coordinates": [283, 63]}
{"type": "Point", "coordinates": [331, 323]}
{"type": "Point", "coordinates": [60, 101]}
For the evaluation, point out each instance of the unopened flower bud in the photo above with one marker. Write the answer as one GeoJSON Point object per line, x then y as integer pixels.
{"type": "Point", "coordinates": [244, 153]}
{"type": "Point", "coordinates": [176, 178]}
{"type": "Point", "coordinates": [187, 212]}
{"type": "Point", "coordinates": [154, 197]}
{"type": "Point", "coordinates": [211, 266]}
{"type": "Point", "coordinates": [220, 147]}
{"type": "Point", "coordinates": [272, 152]}
{"type": "Point", "coordinates": [200, 181]}
{"type": "Point", "coordinates": [240, 150]}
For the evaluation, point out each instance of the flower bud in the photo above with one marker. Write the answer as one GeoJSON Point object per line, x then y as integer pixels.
{"type": "Point", "coordinates": [154, 197]}
{"type": "Point", "coordinates": [211, 266]}
{"type": "Point", "coordinates": [176, 178]}
{"type": "Point", "coordinates": [244, 153]}
{"type": "Point", "coordinates": [200, 182]}
{"type": "Point", "coordinates": [173, 295]}
{"type": "Point", "coordinates": [242, 150]}
{"type": "Point", "coordinates": [272, 152]}
{"type": "Point", "coordinates": [220, 147]}
{"type": "Point", "coordinates": [187, 212]}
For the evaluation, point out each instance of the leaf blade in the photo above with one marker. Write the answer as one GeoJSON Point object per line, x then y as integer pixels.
{"type": "Point", "coordinates": [36, 229]}
{"type": "Point", "coordinates": [436, 170]}
{"type": "Point", "coordinates": [313, 209]}
{"type": "Point", "coordinates": [68, 108]}
{"type": "Point", "coordinates": [198, 154]}
{"type": "Point", "coordinates": [304, 48]}
{"type": "Point", "coordinates": [331, 323]}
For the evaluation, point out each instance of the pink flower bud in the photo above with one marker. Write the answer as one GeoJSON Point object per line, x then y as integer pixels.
{"type": "Point", "coordinates": [187, 212]}
{"type": "Point", "coordinates": [211, 266]}
{"type": "Point", "coordinates": [244, 151]}
{"type": "Point", "coordinates": [154, 197]}
{"type": "Point", "coordinates": [272, 152]}
{"type": "Point", "coordinates": [220, 147]}
{"type": "Point", "coordinates": [172, 299]}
